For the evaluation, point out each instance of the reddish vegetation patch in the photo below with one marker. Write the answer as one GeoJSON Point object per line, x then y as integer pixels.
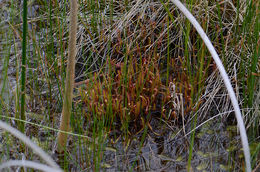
{"type": "Point", "coordinates": [130, 92]}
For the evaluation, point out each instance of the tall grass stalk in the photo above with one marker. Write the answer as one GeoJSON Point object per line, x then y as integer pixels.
{"type": "Point", "coordinates": [201, 53]}
{"type": "Point", "coordinates": [50, 56]}
{"type": "Point", "coordinates": [225, 78]}
{"type": "Point", "coordinates": [67, 100]}
{"type": "Point", "coordinates": [254, 40]}
{"type": "Point", "coordinates": [17, 65]}
{"type": "Point", "coordinates": [23, 73]}
{"type": "Point", "coordinates": [187, 65]}
{"type": "Point", "coordinates": [6, 64]}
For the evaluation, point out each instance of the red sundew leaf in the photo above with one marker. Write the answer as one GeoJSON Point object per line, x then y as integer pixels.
{"type": "Point", "coordinates": [144, 101]}
{"type": "Point", "coordinates": [137, 109]}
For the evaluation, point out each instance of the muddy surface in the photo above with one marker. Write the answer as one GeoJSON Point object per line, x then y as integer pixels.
{"type": "Point", "coordinates": [166, 149]}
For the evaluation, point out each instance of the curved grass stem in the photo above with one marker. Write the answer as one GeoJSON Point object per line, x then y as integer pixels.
{"type": "Point", "coordinates": [225, 78]}
{"type": "Point", "coordinates": [30, 164]}
{"type": "Point", "coordinates": [29, 143]}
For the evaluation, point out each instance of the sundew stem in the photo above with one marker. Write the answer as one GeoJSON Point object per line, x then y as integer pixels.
{"type": "Point", "coordinates": [225, 78]}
